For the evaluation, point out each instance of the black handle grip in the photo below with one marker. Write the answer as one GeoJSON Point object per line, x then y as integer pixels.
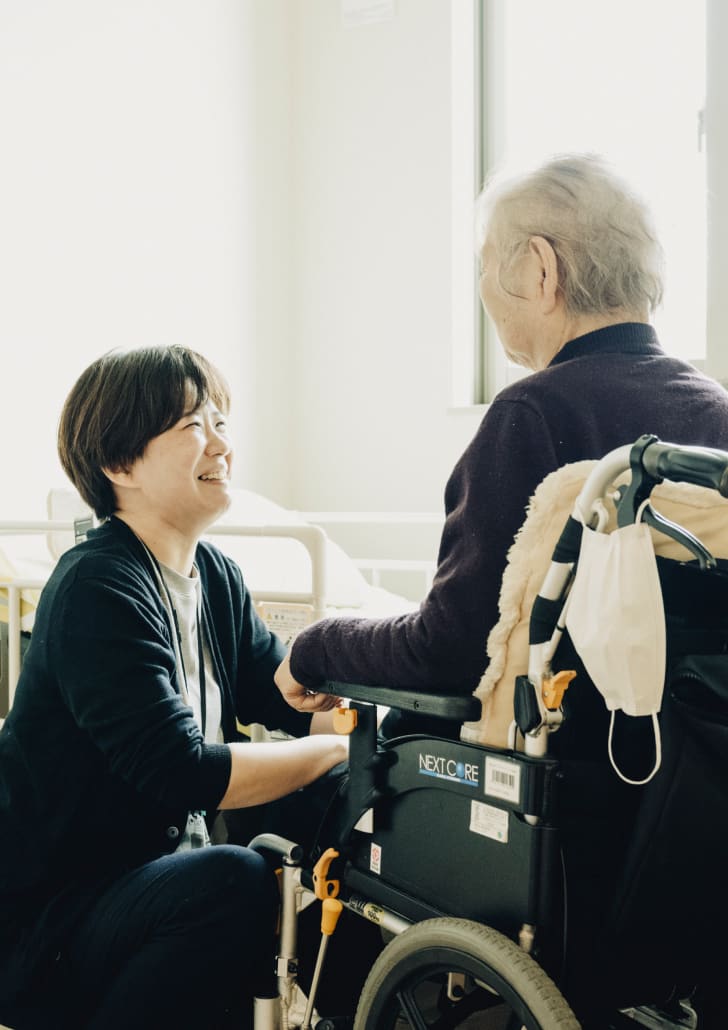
{"type": "Point", "coordinates": [699, 465]}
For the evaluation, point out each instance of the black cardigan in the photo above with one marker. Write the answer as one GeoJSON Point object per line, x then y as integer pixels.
{"type": "Point", "coordinates": [100, 759]}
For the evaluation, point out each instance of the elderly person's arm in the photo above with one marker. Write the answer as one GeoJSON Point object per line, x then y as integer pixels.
{"type": "Point", "coordinates": [443, 645]}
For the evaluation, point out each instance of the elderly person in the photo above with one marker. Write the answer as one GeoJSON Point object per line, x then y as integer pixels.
{"type": "Point", "coordinates": [570, 276]}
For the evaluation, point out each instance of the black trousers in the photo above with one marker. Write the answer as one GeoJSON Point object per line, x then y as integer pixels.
{"type": "Point", "coordinates": [183, 941]}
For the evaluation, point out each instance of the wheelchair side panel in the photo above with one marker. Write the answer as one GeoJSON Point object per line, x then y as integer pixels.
{"type": "Point", "coordinates": [452, 832]}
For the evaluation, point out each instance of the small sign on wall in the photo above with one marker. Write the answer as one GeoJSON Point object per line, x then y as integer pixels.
{"type": "Point", "coordinates": [364, 12]}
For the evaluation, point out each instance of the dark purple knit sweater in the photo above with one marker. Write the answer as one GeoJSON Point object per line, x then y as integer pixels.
{"type": "Point", "coordinates": [601, 391]}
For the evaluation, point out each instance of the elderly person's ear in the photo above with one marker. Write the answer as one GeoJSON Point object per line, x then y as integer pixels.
{"type": "Point", "coordinates": [546, 271]}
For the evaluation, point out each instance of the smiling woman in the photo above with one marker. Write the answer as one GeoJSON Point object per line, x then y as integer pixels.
{"type": "Point", "coordinates": [180, 485]}
{"type": "Point", "coordinates": [122, 741]}
{"type": "Point", "coordinates": [159, 385]}
{"type": "Point", "coordinates": [162, 462]}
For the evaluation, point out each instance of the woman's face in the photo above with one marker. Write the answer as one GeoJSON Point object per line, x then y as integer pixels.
{"type": "Point", "coordinates": [184, 474]}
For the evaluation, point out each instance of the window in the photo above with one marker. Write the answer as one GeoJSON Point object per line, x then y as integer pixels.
{"type": "Point", "coordinates": [624, 79]}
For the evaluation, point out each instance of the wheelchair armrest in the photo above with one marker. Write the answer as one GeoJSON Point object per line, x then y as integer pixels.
{"type": "Point", "coordinates": [459, 707]}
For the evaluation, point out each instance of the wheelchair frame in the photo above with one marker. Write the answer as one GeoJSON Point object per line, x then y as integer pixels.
{"type": "Point", "coordinates": [349, 875]}
{"type": "Point", "coordinates": [476, 941]}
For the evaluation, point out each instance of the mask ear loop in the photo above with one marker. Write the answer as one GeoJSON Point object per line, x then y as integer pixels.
{"type": "Point", "coordinates": [658, 752]}
{"type": "Point", "coordinates": [639, 514]}
{"type": "Point", "coordinates": [598, 510]}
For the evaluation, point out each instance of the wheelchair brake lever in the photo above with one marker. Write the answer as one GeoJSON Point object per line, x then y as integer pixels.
{"type": "Point", "coordinates": [530, 712]}
{"type": "Point", "coordinates": [525, 705]}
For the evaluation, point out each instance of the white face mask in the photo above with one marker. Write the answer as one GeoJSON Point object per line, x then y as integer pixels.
{"type": "Point", "coordinates": [616, 618]}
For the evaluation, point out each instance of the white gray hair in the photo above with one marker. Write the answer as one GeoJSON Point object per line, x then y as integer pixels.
{"type": "Point", "coordinates": [601, 231]}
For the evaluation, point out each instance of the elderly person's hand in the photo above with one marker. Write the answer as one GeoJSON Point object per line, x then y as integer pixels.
{"type": "Point", "coordinates": [298, 696]}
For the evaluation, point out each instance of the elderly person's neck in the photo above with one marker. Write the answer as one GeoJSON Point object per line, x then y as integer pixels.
{"type": "Point", "coordinates": [564, 327]}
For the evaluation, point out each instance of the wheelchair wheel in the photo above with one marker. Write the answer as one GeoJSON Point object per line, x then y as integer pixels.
{"type": "Point", "coordinates": [447, 973]}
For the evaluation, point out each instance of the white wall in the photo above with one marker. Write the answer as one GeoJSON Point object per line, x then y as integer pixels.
{"type": "Point", "coordinates": [137, 143]}
{"type": "Point", "coordinates": [253, 179]}
{"type": "Point", "coordinates": [370, 242]}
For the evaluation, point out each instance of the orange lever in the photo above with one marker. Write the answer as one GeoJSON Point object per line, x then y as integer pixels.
{"type": "Point", "coordinates": [345, 719]}
{"type": "Point", "coordinates": [322, 887]}
{"type": "Point", "coordinates": [552, 688]}
{"type": "Point", "coordinates": [330, 911]}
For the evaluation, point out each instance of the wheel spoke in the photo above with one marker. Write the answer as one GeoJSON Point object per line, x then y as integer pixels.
{"type": "Point", "coordinates": [411, 1009]}
{"type": "Point", "coordinates": [457, 1012]}
{"type": "Point", "coordinates": [450, 1015]}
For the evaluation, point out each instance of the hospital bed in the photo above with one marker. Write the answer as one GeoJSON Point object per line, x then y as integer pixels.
{"type": "Point", "coordinates": [525, 881]}
{"type": "Point", "coordinates": [296, 573]}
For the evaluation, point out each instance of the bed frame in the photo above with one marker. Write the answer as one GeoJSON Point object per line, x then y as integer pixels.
{"type": "Point", "coordinates": [311, 605]}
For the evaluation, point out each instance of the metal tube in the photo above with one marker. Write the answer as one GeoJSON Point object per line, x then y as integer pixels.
{"type": "Point", "coordinates": [306, 1025]}
{"type": "Point", "coordinates": [14, 619]}
{"type": "Point", "coordinates": [266, 1013]}
{"type": "Point", "coordinates": [375, 914]}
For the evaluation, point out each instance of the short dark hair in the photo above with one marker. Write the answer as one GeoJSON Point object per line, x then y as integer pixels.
{"type": "Point", "coordinates": [121, 402]}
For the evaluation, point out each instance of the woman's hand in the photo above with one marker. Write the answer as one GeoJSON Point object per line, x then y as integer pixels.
{"type": "Point", "coordinates": [298, 696]}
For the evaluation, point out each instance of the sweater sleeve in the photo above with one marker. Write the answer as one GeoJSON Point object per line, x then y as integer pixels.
{"type": "Point", "coordinates": [442, 646]}
{"type": "Point", "coordinates": [116, 670]}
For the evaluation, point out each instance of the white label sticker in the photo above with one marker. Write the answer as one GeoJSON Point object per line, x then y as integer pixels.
{"type": "Point", "coordinates": [285, 620]}
{"type": "Point", "coordinates": [503, 779]}
{"type": "Point", "coordinates": [489, 821]}
{"type": "Point", "coordinates": [375, 858]}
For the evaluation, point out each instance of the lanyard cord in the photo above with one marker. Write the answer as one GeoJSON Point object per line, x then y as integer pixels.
{"type": "Point", "coordinates": [200, 625]}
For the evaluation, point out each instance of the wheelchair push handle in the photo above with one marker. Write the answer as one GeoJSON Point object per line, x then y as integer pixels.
{"type": "Point", "coordinates": [699, 465]}
{"type": "Point", "coordinates": [652, 461]}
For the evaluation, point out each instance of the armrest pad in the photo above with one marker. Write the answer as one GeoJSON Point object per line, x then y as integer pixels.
{"type": "Point", "coordinates": [460, 707]}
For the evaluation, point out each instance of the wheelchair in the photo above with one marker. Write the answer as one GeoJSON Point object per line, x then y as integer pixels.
{"type": "Point", "coordinates": [529, 886]}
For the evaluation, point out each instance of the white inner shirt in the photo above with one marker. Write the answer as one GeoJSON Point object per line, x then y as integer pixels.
{"type": "Point", "coordinates": [186, 597]}
{"type": "Point", "coordinates": [186, 594]}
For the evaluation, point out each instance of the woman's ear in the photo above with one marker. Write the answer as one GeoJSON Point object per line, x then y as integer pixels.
{"type": "Point", "coordinates": [118, 476]}
{"type": "Point", "coordinates": [548, 271]}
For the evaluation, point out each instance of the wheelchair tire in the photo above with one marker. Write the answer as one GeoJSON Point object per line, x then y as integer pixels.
{"type": "Point", "coordinates": [506, 987]}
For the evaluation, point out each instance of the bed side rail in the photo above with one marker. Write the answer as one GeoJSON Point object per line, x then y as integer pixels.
{"type": "Point", "coordinates": [313, 538]}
